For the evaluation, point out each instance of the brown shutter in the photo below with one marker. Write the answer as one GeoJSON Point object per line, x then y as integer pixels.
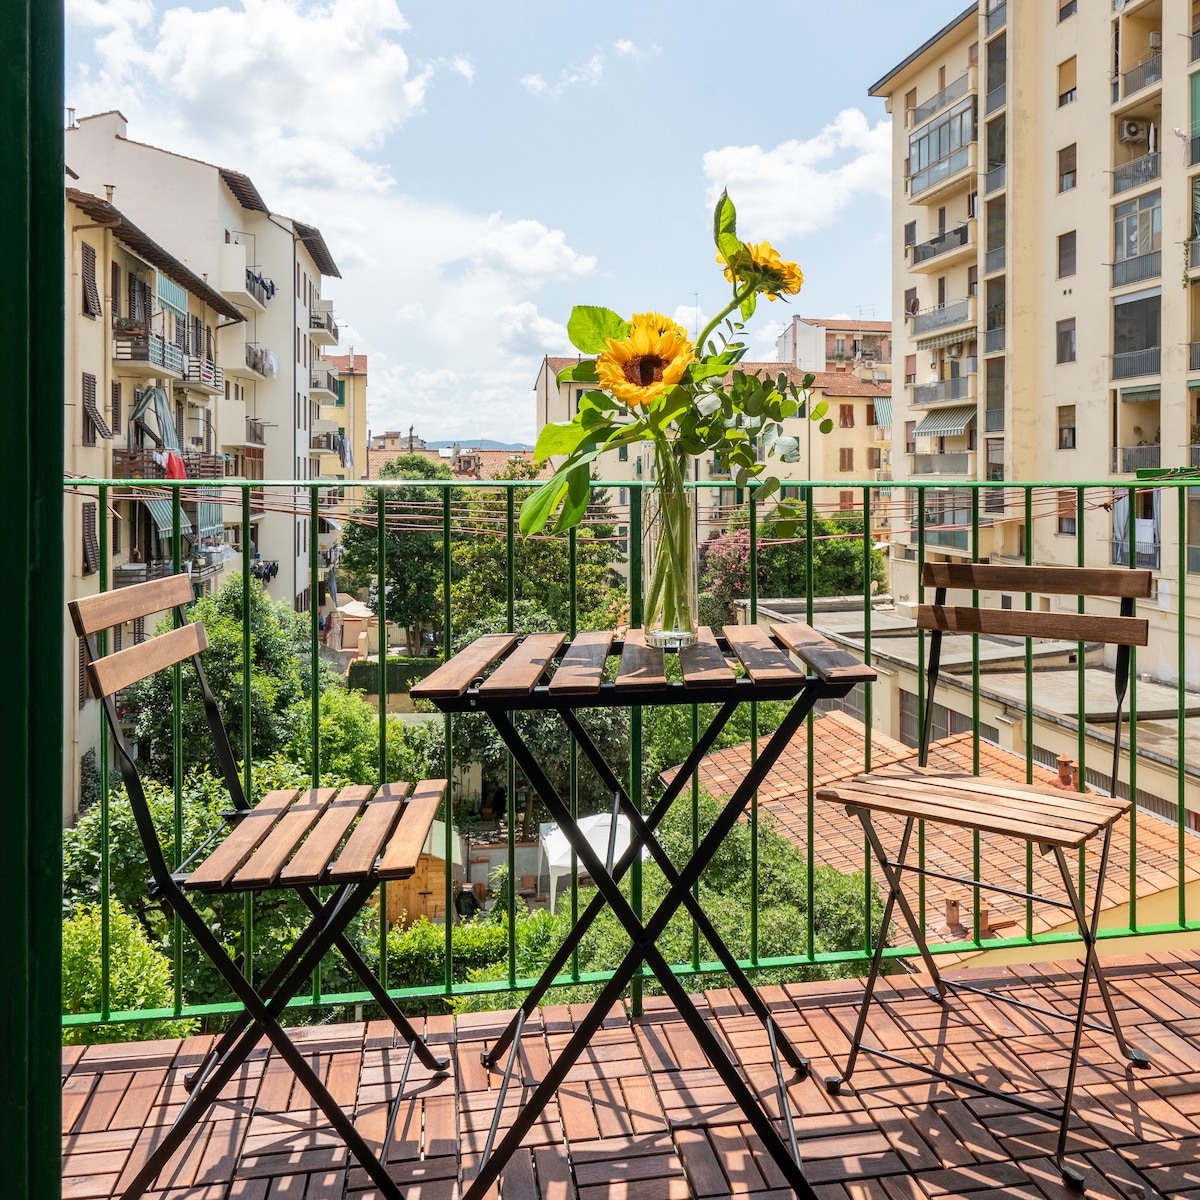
{"type": "Point", "coordinates": [115, 407]}
{"type": "Point", "coordinates": [91, 547]}
{"type": "Point", "coordinates": [116, 534]}
{"type": "Point", "coordinates": [114, 288]}
{"type": "Point", "coordinates": [139, 630]}
{"type": "Point", "coordinates": [93, 422]}
{"type": "Point", "coordinates": [83, 683]}
{"type": "Point", "coordinates": [870, 413]}
{"type": "Point", "coordinates": [208, 433]}
{"type": "Point", "coordinates": [91, 294]}
{"type": "Point", "coordinates": [117, 631]}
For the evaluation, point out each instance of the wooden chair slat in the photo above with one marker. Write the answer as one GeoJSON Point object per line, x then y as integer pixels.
{"type": "Point", "coordinates": [453, 678]}
{"type": "Point", "coordinates": [831, 663]}
{"type": "Point", "coordinates": [518, 674]}
{"type": "Point", "coordinates": [403, 851]}
{"type": "Point", "coordinates": [1067, 627]}
{"type": "Point", "coordinates": [308, 864]}
{"type": "Point", "coordinates": [582, 668]}
{"type": "Point", "coordinates": [116, 671]}
{"type": "Point", "coordinates": [215, 872]}
{"type": "Point", "coordinates": [642, 667]}
{"type": "Point", "coordinates": [1063, 581]}
{"type": "Point", "coordinates": [765, 663]}
{"type": "Point", "coordinates": [90, 614]}
{"type": "Point", "coordinates": [269, 859]}
{"type": "Point", "coordinates": [358, 856]}
{"type": "Point", "coordinates": [704, 665]}
{"type": "Point", "coordinates": [950, 814]}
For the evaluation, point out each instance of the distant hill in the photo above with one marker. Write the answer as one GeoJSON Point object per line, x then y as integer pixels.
{"type": "Point", "coordinates": [485, 444]}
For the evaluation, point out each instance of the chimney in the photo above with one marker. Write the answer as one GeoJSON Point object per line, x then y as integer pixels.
{"type": "Point", "coordinates": [109, 188]}
{"type": "Point", "coordinates": [455, 453]}
{"type": "Point", "coordinates": [410, 439]}
{"type": "Point", "coordinates": [952, 927]}
{"type": "Point", "coordinates": [351, 358]}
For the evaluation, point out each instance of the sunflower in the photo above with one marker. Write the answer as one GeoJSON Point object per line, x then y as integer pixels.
{"type": "Point", "coordinates": [651, 359]}
{"type": "Point", "coordinates": [760, 263]}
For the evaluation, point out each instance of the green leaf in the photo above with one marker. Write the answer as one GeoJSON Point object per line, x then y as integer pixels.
{"type": "Point", "coordinates": [787, 448]}
{"type": "Point", "coordinates": [579, 482]}
{"type": "Point", "coordinates": [724, 219]}
{"type": "Point", "coordinates": [748, 306]}
{"type": "Point", "coordinates": [820, 410]}
{"type": "Point", "coordinates": [706, 406]}
{"type": "Point", "coordinates": [742, 477]}
{"type": "Point", "coordinates": [537, 507]}
{"type": "Point", "coordinates": [769, 487]}
{"type": "Point", "coordinates": [560, 437]}
{"type": "Point", "coordinates": [583, 371]}
{"type": "Point", "coordinates": [729, 246]}
{"type": "Point", "coordinates": [826, 426]}
{"type": "Point", "coordinates": [786, 528]}
{"type": "Point", "coordinates": [590, 328]}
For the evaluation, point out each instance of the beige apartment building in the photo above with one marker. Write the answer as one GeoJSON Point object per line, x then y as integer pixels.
{"type": "Point", "coordinates": [1046, 186]}
{"type": "Point", "coordinates": [821, 344]}
{"type": "Point", "coordinates": [143, 378]}
{"type": "Point", "coordinates": [858, 449]}
{"type": "Point", "coordinates": [339, 385]}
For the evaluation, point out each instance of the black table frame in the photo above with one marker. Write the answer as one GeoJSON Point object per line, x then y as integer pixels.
{"type": "Point", "coordinates": [803, 692]}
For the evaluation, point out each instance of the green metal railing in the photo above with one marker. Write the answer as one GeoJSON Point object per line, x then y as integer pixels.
{"type": "Point", "coordinates": [914, 511]}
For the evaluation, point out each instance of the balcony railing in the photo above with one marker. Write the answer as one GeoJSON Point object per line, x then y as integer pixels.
{"type": "Point", "coordinates": [258, 359]}
{"type": "Point", "coordinates": [941, 170]}
{"type": "Point", "coordinates": [323, 441]}
{"type": "Point", "coordinates": [256, 432]}
{"type": "Point", "coordinates": [1127, 459]}
{"type": "Point", "coordinates": [148, 349]}
{"type": "Point", "coordinates": [950, 239]}
{"type": "Point", "coordinates": [994, 260]}
{"type": "Point", "coordinates": [994, 420]}
{"type": "Point", "coordinates": [325, 324]}
{"type": "Point", "coordinates": [958, 388]}
{"type": "Point", "coordinates": [204, 372]}
{"type": "Point", "coordinates": [941, 464]}
{"type": "Point", "coordinates": [1194, 157]}
{"type": "Point", "coordinates": [1133, 174]}
{"type": "Point", "coordinates": [1194, 356]}
{"type": "Point", "coordinates": [1148, 554]}
{"type": "Point", "coordinates": [1195, 48]}
{"type": "Point", "coordinates": [996, 98]}
{"type": "Point", "coordinates": [1137, 362]}
{"type": "Point", "coordinates": [942, 315]}
{"type": "Point", "coordinates": [323, 381]}
{"type": "Point", "coordinates": [947, 95]}
{"type": "Point", "coordinates": [1193, 246]}
{"type": "Point", "coordinates": [994, 179]}
{"type": "Point", "coordinates": [130, 573]}
{"type": "Point", "coordinates": [1143, 75]}
{"type": "Point", "coordinates": [261, 289]}
{"type": "Point", "coordinates": [993, 340]}
{"type": "Point", "coordinates": [135, 464]}
{"type": "Point", "coordinates": [997, 15]}
{"type": "Point", "coordinates": [1134, 270]}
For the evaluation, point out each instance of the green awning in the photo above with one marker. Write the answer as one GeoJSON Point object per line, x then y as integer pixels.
{"type": "Point", "coordinates": [883, 411]}
{"type": "Point", "coordinates": [210, 518]}
{"type": "Point", "coordinates": [946, 422]}
{"type": "Point", "coordinates": [1137, 395]}
{"type": "Point", "coordinates": [159, 509]}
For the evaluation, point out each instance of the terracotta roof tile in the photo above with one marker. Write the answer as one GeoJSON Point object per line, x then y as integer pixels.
{"type": "Point", "coordinates": [849, 323]}
{"type": "Point", "coordinates": [492, 462]}
{"type": "Point", "coordinates": [341, 363]}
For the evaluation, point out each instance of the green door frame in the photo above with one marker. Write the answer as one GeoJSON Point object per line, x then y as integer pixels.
{"type": "Point", "coordinates": [31, 699]}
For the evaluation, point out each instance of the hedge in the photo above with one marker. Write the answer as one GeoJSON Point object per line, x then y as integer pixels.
{"type": "Point", "coordinates": [402, 673]}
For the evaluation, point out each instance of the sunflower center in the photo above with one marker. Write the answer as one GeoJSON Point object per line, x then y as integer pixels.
{"type": "Point", "coordinates": [645, 369]}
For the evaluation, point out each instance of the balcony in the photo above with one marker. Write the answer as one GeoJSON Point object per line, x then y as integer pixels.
{"type": "Point", "coordinates": [1143, 75]}
{"type": "Point", "coordinates": [994, 179]}
{"type": "Point", "coordinates": [202, 374]}
{"type": "Point", "coordinates": [994, 260]}
{"type": "Point", "coordinates": [324, 442]}
{"type": "Point", "coordinates": [1193, 250]}
{"type": "Point", "coordinates": [997, 16]}
{"type": "Point", "coordinates": [1134, 270]}
{"type": "Point", "coordinates": [323, 386]}
{"type": "Point", "coordinates": [944, 316]}
{"type": "Point", "coordinates": [1127, 459]}
{"type": "Point", "coordinates": [140, 353]}
{"type": "Point", "coordinates": [947, 95]}
{"type": "Point", "coordinates": [135, 464]}
{"type": "Point", "coordinates": [993, 339]}
{"type": "Point", "coordinates": [1137, 362]}
{"type": "Point", "coordinates": [955, 463]}
{"type": "Point", "coordinates": [996, 99]}
{"type": "Point", "coordinates": [961, 387]}
{"type": "Point", "coordinates": [1148, 554]}
{"type": "Point", "coordinates": [255, 364]}
{"type": "Point", "coordinates": [322, 328]}
{"type": "Point", "coordinates": [1195, 48]}
{"type": "Point", "coordinates": [130, 573]}
{"type": "Point", "coordinates": [947, 174]}
{"type": "Point", "coordinates": [993, 421]}
{"type": "Point", "coordinates": [944, 248]}
{"type": "Point", "coordinates": [204, 466]}
{"type": "Point", "coordinates": [256, 432]}
{"type": "Point", "coordinates": [1136, 173]}
{"type": "Point", "coordinates": [243, 283]}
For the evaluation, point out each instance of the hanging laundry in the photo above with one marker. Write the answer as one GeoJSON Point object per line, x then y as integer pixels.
{"type": "Point", "coordinates": [175, 466]}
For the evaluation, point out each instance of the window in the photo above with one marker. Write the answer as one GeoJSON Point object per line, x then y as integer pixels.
{"type": "Point", "coordinates": [910, 437]}
{"type": "Point", "coordinates": [91, 294]}
{"type": "Point", "coordinates": [972, 205]}
{"type": "Point", "coordinates": [839, 346]}
{"type": "Point", "coordinates": [973, 280]}
{"type": "Point", "coordinates": [910, 233]}
{"type": "Point", "coordinates": [1137, 227]}
{"type": "Point", "coordinates": [874, 458]}
{"type": "Point", "coordinates": [1064, 333]}
{"type": "Point", "coordinates": [1066, 427]}
{"type": "Point", "coordinates": [622, 496]}
{"type": "Point", "coordinates": [1137, 322]}
{"type": "Point", "coordinates": [845, 416]}
{"type": "Point", "coordinates": [116, 534]}
{"type": "Point", "coordinates": [910, 102]}
{"type": "Point", "coordinates": [846, 501]}
{"type": "Point", "coordinates": [870, 413]}
{"type": "Point", "coordinates": [93, 422]}
{"type": "Point", "coordinates": [1068, 9]}
{"type": "Point", "coordinates": [91, 547]}
{"type": "Point", "coordinates": [578, 397]}
{"type": "Point", "coordinates": [1066, 82]}
{"type": "Point", "coordinates": [910, 369]}
{"type": "Point", "coordinates": [1066, 512]}
{"type": "Point", "coordinates": [846, 458]}
{"type": "Point", "coordinates": [973, 54]}
{"type": "Point", "coordinates": [623, 454]}
{"type": "Point", "coordinates": [1066, 168]}
{"type": "Point", "coordinates": [114, 298]}
{"type": "Point", "coordinates": [940, 147]}
{"type": "Point", "coordinates": [115, 407]}
{"type": "Point", "coordinates": [1066, 254]}
{"type": "Point", "coordinates": [1006, 602]}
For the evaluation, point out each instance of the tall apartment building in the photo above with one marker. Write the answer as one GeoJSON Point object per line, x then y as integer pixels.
{"type": "Point", "coordinates": [270, 268]}
{"type": "Point", "coordinates": [340, 386]}
{"type": "Point", "coordinates": [822, 344]}
{"type": "Point", "coordinates": [143, 376]}
{"type": "Point", "coordinates": [1046, 198]}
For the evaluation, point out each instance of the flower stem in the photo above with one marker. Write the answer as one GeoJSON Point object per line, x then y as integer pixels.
{"type": "Point", "coordinates": [736, 302]}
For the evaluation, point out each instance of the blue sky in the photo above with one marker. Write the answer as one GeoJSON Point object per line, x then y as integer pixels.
{"type": "Point", "coordinates": [477, 168]}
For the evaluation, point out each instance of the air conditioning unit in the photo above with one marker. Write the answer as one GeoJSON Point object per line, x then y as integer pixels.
{"type": "Point", "coordinates": [1133, 131]}
{"type": "Point", "coordinates": [954, 351]}
{"type": "Point", "coordinates": [1155, 40]}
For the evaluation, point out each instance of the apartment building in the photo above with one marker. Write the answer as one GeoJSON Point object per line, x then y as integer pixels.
{"type": "Point", "coordinates": [821, 344]}
{"type": "Point", "coordinates": [143, 378]}
{"type": "Point", "coordinates": [858, 449]}
{"type": "Point", "coordinates": [339, 385]}
{"type": "Point", "coordinates": [270, 268]}
{"type": "Point", "coordinates": [1046, 281]}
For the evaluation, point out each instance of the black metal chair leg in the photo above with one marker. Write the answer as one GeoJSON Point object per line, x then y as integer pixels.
{"type": "Point", "coordinates": [833, 1083]}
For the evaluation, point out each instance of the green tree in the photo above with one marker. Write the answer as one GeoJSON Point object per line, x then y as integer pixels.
{"type": "Point", "coordinates": [413, 545]}
{"type": "Point", "coordinates": [280, 661]}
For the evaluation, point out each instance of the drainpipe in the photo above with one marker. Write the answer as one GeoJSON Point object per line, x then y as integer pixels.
{"type": "Point", "coordinates": [295, 381]}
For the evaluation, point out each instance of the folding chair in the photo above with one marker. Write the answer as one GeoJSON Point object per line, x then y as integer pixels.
{"type": "Point", "coordinates": [345, 840]}
{"type": "Point", "coordinates": [1052, 819]}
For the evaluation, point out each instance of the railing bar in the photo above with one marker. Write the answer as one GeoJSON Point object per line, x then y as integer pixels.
{"type": "Point", "coordinates": [510, 551]}
{"type": "Point", "coordinates": [1081, 681]}
{"type": "Point", "coordinates": [448, 743]}
{"type": "Point", "coordinates": [1028, 705]}
{"type": "Point", "coordinates": [753, 503]}
{"type": "Point", "coordinates": [695, 830]}
{"type": "Point", "coordinates": [105, 881]}
{"type": "Point", "coordinates": [573, 745]}
{"type": "Point", "coordinates": [314, 589]}
{"type": "Point", "coordinates": [635, 717]}
{"type": "Point", "coordinates": [867, 544]}
{"type": "Point", "coordinates": [1181, 742]}
{"type": "Point", "coordinates": [1133, 898]}
{"type": "Point", "coordinates": [976, 855]}
{"type": "Point", "coordinates": [177, 755]}
{"type": "Point", "coordinates": [247, 725]}
{"type": "Point", "coordinates": [922, 698]}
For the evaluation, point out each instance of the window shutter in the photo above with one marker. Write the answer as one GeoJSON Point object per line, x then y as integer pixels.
{"type": "Point", "coordinates": [114, 288]}
{"type": "Point", "coordinates": [115, 406]}
{"type": "Point", "coordinates": [208, 433]}
{"type": "Point", "coordinates": [83, 682]}
{"type": "Point", "coordinates": [179, 424]}
{"type": "Point", "coordinates": [135, 296]}
{"type": "Point", "coordinates": [139, 630]}
{"type": "Point", "coordinates": [91, 548]}
{"type": "Point", "coordinates": [117, 631]}
{"type": "Point", "coordinates": [341, 391]}
{"type": "Point", "coordinates": [210, 348]}
{"type": "Point", "coordinates": [870, 413]}
{"type": "Point", "coordinates": [91, 293]}
{"type": "Point", "coordinates": [93, 421]}
{"type": "Point", "coordinates": [197, 346]}
{"type": "Point", "coordinates": [116, 534]}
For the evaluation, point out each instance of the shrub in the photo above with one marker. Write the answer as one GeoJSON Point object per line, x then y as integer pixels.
{"type": "Point", "coordinates": [402, 673]}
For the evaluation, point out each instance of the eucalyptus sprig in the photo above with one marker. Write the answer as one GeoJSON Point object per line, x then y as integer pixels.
{"type": "Point", "coordinates": [652, 384]}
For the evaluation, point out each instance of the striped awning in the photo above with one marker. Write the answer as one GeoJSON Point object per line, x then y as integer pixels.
{"type": "Point", "coordinates": [883, 411]}
{"type": "Point", "coordinates": [946, 422]}
{"type": "Point", "coordinates": [159, 509]}
{"type": "Point", "coordinates": [1138, 395]}
{"type": "Point", "coordinates": [936, 340]}
{"type": "Point", "coordinates": [210, 518]}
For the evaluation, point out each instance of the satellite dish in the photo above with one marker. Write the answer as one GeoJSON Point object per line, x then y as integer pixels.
{"type": "Point", "coordinates": [914, 306]}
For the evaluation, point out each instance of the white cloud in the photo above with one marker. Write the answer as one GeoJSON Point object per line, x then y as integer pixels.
{"type": "Point", "coordinates": [692, 318]}
{"type": "Point", "coordinates": [628, 49]}
{"type": "Point", "coordinates": [524, 331]}
{"type": "Point", "coordinates": [587, 74]}
{"type": "Point", "coordinates": [801, 186]}
{"type": "Point", "coordinates": [528, 248]}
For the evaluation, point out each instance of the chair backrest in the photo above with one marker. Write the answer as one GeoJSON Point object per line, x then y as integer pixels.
{"type": "Point", "coordinates": [1123, 631]}
{"type": "Point", "coordinates": [109, 673]}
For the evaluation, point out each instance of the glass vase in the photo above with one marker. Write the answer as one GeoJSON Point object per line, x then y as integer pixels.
{"type": "Point", "coordinates": [671, 605]}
